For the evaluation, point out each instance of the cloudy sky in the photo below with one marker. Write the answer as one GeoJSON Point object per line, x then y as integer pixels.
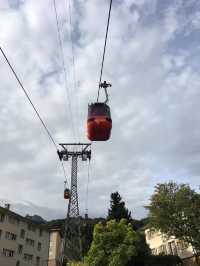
{"type": "Point", "coordinates": [152, 61]}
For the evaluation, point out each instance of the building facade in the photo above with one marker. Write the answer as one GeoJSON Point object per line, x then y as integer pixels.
{"type": "Point", "coordinates": [161, 244]}
{"type": "Point", "coordinates": [22, 241]}
{"type": "Point", "coordinates": [55, 247]}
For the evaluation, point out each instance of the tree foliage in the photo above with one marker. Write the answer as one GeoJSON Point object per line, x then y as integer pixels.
{"type": "Point", "coordinates": [175, 210]}
{"type": "Point", "coordinates": [143, 252]}
{"type": "Point", "coordinates": [87, 228]}
{"type": "Point", "coordinates": [139, 224]}
{"type": "Point", "coordinates": [117, 244]}
{"type": "Point", "coordinates": [76, 264]}
{"type": "Point", "coordinates": [114, 244]}
{"type": "Point", "coordinates": [117, 209]}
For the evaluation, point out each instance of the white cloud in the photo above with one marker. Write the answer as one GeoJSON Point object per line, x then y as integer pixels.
{"type": "Point", "coordinates": [4, 5]}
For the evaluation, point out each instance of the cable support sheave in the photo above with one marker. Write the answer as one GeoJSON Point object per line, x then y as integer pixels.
{"type": "Point", "coordinates": [64, 67]}
{"type": "Point", "coordinates": [104, 49]}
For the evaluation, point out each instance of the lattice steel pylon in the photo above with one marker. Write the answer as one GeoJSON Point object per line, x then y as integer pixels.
{"type": "Point", "coordinates": [72, 248]}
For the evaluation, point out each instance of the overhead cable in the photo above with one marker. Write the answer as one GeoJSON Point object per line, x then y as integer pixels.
{"type": "Point", "coordinates": [73, 59]}
{"type": "Point", "coordinates": [36, 111]}
{"type": "Point", "coordinates": [64, 66]}
{"type": "Point", "coordinates": [104, 49]}
{"type": "Point", "coordinates": [28, 97]}
{"type": "Point", "coordinates": [64, 172]}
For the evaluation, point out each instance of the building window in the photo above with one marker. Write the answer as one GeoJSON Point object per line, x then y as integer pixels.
{"type": "Point", "coordinates": [39, 247]}
{"type": "Point", "coordinates": [182, 245]}
{"type": "Point", "coordinates": [37, 261]}
{"type": "Point", "coordinates": [22, 233]}
{"type": "Point", "coordinates": [164, 237]}
{"type": "Point", "coordinates": [41, 232]}
{"type": "Point", "coordinates": [20, 249]}
{"type": "Point", "coordinates": [13, 220]}
{"type": "Point", "coordinates": [10, 236]}
{"type": "Point", "coordinates": [18, 263]}
{"type": "Point", "coordinates": [2, 217]}
{"type": "Point", "coordinates": [162, 249]}
{"type": "Point", "coordinates": [150, 234]}
{"type": "Point", "coordinates": [174, 248]}
{"type": "Point", "coordinates": [170, 248]}
{"type": "Point", "coordinates": [31, 227]}
{"type": "Point", "coordinates": [28, 257]}
{"type": "Point", "coordinates": [30, 242]}
{"type": "Point", "coordinates": [165, 249]}
{"type": "Point", "coordinates": [8, 252]}
{"type": "Point", "coordinates": [153, 251]}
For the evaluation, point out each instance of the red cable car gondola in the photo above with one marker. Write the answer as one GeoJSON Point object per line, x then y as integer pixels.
{"type": "Point", "coordinates": [99, 122]}
{"type": "Point", "coordinates": [66, 193]}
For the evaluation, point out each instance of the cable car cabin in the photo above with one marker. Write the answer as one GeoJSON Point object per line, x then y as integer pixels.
{"type": "Point", "coordinates": [99, 122]}
{"type": "Point", "coordinates": [66, 193]}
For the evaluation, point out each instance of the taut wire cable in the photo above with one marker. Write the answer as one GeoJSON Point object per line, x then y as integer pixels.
{"type": "Point", "coordinates": [104, 49]}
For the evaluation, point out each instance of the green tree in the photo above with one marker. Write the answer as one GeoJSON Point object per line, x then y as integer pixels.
{"type": "Point", "coordinates": [175, 210]}
{"type": "Point", "coordinates": [138, 224]}
{"type": "Point", "coordinates": [114, 244]}
{"type": "Point", "coordinates": [76, 264]}
{"type": "Point", "coordinates": [87, 228]}
{"type": "Point", "coordinates": [117, 209]}
{"type": "Point", "coordinates": [143, 252]}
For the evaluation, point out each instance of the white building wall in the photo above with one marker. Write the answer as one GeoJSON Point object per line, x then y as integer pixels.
{"type": "Point", "coordinates": [55, 248]}
{"type": "Point", "coordinates": [160, 243]}
{"type": "Point", "coordinates": [32, 232]}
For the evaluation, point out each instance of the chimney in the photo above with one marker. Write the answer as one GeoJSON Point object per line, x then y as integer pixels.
{"type": "Point", "coordinates": [7, 206]}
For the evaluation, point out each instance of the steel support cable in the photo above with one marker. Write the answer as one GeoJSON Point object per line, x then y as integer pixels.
{"type": "Point", "coordinates": [64, 172]}
{"type": "Point", "coordinates": [30, 101]}
{"type": "Point", "coordinates": [73, 59]}
{"type": "Point", "coordinates": [28, 97]}
{"type": "Point", "coordinates": [104, 49]}
{"type": "Point", "coordinates": [64, 66]}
